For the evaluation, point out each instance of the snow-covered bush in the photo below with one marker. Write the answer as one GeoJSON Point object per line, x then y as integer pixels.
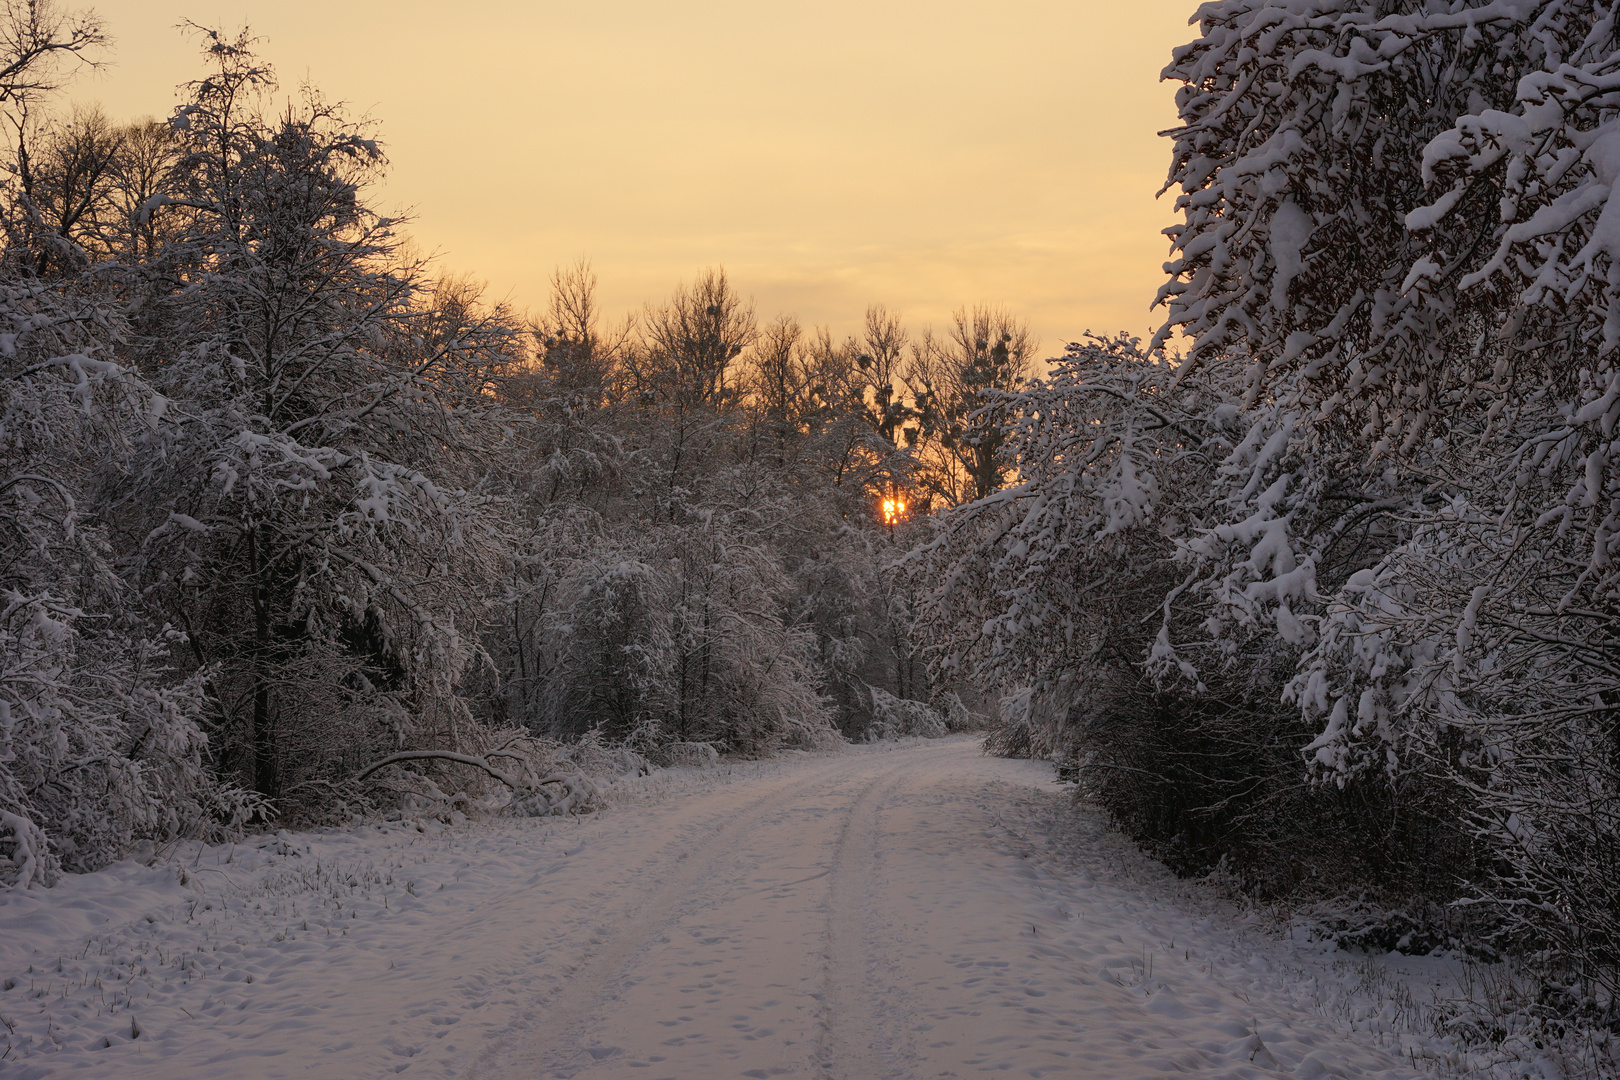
{"type": "Point", "coordinates": [676, 636]}
{"type": "Point", "coordinates": [600, 759]}
{"type": "Point", "coordinates": [897, 718]}
{"type": "Point", "coordinates": [1145, 589]}
{"type": "Point", "coordinates": [102, 743]}
{"type": "Point", "coordinates": [747, 681]}
{"type": "Point", "coordinates": [615, 652]}
{"type": "Point", "coordinates": [863, 618]}
{"type": "Point", "coordinates": [504, 772]}
{"type": "Point", "coordinates": [691, 755]}
{"type": "Point", "coordinates": [957, 715]}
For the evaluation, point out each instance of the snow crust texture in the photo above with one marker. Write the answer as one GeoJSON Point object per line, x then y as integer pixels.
{"type": "Point", "coordinates": [916, 912]}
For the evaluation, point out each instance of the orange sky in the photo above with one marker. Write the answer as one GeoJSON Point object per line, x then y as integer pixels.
{"type": "Point", "coordinates": [922, 153]}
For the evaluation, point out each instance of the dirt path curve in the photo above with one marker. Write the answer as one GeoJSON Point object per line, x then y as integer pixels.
{"type": "Point", "coordinates": [924, 912]}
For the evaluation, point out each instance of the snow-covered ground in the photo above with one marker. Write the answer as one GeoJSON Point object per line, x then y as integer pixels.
{"type": "Point", "coordinates": [911, 911]}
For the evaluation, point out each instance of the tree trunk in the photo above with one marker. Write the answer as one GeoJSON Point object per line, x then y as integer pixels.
{"type": "Point", "coordinates": [261, 765]}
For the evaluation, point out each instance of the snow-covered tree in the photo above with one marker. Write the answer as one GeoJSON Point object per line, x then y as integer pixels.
{"type": "Point", "coordinates": [1400, 217]}
{"type": "Point", "coordinates": [1377, 488]}
{"type": "Point", "coordinates": [1392, 268]}
{"type": "Point", "coordinates": [103, 744]}
{"type": "Point", "coordinates": [310, 515]}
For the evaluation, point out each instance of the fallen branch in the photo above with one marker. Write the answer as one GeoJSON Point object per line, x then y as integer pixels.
{"type": "Point", "coordinates": [577, 790]}
{"type": "Point", "coordinates": [442, 755]}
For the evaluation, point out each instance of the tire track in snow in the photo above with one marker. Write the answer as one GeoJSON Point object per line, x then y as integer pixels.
{"type": "Point", "coordinates": [925, 912]}
{"type": "Point", "coordinates": [557, 1043]}
{"type": "Point", "coordinates": [853, 1043]}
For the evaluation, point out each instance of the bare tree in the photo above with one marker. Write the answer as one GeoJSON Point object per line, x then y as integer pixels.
{"type": "Point", "coordinates": [878, 358]}
{"type": "Point", "coordinates": [68, 183]}
{"type": "Point", "coordinates": [576, 353]}
{"type": "Point", "coordinates": [40, 42]}
{"type": "Point", "coordinates": [142, 173]}
{"type": "Point", "coordinates": [40, 46]}
{"type": "Point", "coordinates": [954, 382]}
{"type": "Point", "coordinates": [690, 345]}
{"type": "Point", "coordinates": [782, 379]}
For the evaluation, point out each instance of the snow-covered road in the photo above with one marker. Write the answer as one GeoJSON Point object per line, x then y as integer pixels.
{"type": "Point", "coordinates": [921, 911]}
